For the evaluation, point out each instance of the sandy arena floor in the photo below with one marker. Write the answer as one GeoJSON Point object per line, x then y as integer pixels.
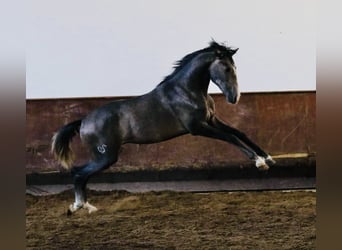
{"type": "Point", "coordinates": [174, 220]}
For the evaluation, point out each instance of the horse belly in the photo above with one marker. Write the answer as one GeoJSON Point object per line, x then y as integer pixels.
{"type": "Point", "coordinates": [153, 127]}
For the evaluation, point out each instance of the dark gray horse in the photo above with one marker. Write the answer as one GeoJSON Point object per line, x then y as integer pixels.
{"type": "Point", "coordinates": [179, 105]}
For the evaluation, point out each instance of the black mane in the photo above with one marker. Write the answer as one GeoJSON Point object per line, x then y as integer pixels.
{"type": "Point", "coordinates": [213, 46]}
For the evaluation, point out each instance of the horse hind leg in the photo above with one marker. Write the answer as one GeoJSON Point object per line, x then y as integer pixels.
{"type": "Point", "coordinates": [80, 180]}
{"type": "Point", "coordinates": [81, 176]}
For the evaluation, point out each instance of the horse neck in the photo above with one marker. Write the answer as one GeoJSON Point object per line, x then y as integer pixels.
{"type": "Point", "coordinates": [195, 76]}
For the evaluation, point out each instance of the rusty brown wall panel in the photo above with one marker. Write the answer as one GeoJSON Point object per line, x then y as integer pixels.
{"type": "Point", "coordinates": [281, 123]}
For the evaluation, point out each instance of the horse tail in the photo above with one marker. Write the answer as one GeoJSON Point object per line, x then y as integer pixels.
{"type": "Point", "coordinates": [61, 140]}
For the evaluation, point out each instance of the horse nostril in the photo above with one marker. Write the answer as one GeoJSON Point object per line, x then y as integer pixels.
{"type": "Point", "coordinates": [234, 99]}
{"type": "Point", "coordinates": [235, 96]}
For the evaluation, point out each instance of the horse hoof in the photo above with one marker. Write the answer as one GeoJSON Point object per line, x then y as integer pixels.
{"type": "Point", "coordinates": [263, 167]}
{"type": "Point", "coordinates": [261, 164]}
{"type": "Point", "coordinates": [270, 160]}
{"type": "Point", "coordinates": [72, 209]}
{"type": "Point", "coordinates": [69, 213]}
{"type": "Point", "coordinates": [91, 208]}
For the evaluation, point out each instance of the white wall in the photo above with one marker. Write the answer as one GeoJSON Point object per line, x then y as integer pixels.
{"type": "Point", "coordinates": [126, 47]}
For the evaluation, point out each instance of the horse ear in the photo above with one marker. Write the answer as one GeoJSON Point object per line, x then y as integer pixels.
{"type": "Point", "coordinates": [233, 51]}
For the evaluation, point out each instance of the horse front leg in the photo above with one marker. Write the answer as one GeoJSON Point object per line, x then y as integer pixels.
{"type": "Point", "coordinates": [207, 130]}
{"type": "Point", "coordinates": [241, 136]}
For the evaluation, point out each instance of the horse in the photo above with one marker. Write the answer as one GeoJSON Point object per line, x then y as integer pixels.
{"type": "Point", "coordinates": [178, 105]}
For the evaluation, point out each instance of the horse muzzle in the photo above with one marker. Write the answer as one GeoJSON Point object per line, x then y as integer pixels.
{"type": "Point", "coordinates": [233, 96]}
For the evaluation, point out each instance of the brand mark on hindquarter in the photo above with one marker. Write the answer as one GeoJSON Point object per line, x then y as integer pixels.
{"type": "Point", "coordinates": [102, 148]}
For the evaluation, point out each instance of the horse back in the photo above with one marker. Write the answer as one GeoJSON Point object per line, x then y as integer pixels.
{"type": "Point", "coordinates": [143, 119]}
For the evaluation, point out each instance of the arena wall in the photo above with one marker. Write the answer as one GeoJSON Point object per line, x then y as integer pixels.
{"type": "Point", "coordinates": [283, 123]}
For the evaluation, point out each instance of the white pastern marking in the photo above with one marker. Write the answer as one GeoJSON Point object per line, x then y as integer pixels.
{"type": "Point", "coordinates": [259, 161]}
{"type": "Point", "coordinates": [102, 148]}
{"type": "Point", "coordinates": [75, 206]}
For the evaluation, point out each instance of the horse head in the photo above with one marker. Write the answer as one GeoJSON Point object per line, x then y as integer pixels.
{"type": "Point", "coordinates": [223, 72]}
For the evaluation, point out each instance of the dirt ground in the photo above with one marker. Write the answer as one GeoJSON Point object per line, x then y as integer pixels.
{"type": "Point", "coordinates": [173, 220]}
